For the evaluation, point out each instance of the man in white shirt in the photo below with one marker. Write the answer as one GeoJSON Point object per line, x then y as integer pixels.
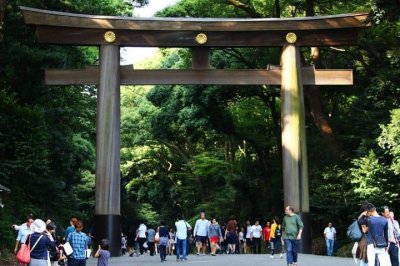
{"type": "Point", "coordinates": [23, 231]}
{"type": "Point", "coordinates": [256, 233]}
{"type": "Point", "coordinates": [141, 237]}
{"type": "Point", "coordinates": [247, 235]}
{"type": "Point", "coordinates": [200, 233]}
{"type": "Point", "coordinates": [181, 235]}
{"type": "Point", "coordinates": [330, 237]}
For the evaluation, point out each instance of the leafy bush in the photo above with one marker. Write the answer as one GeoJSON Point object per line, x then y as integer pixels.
{"type": "Point", "coordinates": [319, 246]}
{"type": "Point", "coordinates": [345, 250]}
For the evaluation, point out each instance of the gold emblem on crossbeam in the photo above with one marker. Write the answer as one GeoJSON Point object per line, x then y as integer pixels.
{"type": "Point", "coordinates": [291, 37]}
{"type": "Point", "coordinates": [109, 36]}
{"type": "Point", "coordinates": [201, 38]}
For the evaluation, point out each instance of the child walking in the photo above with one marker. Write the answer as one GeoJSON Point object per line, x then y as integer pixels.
{"type": "Point", "coordinates": [102, 253]}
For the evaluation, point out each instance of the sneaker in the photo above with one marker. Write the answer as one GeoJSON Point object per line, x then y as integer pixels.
{"type": "Point", "coordinates": [281, 256]}
{"type": "Point", "coordinates": [203, 254]}
{"type": "Point", "coordinates": [198, 254]}
{"type": "Point", "coordinates": [272, 256]}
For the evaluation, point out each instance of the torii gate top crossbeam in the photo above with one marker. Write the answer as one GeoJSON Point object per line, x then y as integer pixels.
{"type": "Point", "coordinates": [77, 29]}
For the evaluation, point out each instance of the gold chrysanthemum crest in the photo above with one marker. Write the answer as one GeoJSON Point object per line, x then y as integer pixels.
{"type": "Point", "coordinates": [201, 38]}
{"type": "Point", "coordinates": [291, 37]}
{"type": "Point", "coordinates": [109, 36]}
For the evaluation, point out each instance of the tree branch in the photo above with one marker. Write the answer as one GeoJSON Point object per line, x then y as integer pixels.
{"type": "Point", "coordinates": [249, 9]}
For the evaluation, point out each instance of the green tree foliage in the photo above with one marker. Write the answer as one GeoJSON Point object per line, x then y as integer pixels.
{"type": "Point", "coordinates": [47, 134]}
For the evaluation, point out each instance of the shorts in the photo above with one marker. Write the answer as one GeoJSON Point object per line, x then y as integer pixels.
{"type": "Point", "coordinates": [201, 239]}
{"type": "Point", "coordinates": [214, 240]}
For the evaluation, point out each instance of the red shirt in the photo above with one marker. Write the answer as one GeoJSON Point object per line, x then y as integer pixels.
{"type": "Point", "coordinates": [266, 232]}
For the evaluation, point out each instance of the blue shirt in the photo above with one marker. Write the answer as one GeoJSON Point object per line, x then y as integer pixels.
{"type": "Point", "coordinates": [377, 226]}
{"type": "Point", "coordinates": [69, 230]}
{"type": "Point", "coordinates": [23, 232]}
{"type": "Point", "coordinates": [41, 248]}
{"type": "Point", "coordinates": [104, 255]}
{"type": "Point", "coordinates": [79, 241]}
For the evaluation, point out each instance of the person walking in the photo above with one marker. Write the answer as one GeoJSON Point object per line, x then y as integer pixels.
{"type": "Point", "coordinates": [276, 237]}
{"type": "Point", "coordinates": [182, 227]}
{"type": "Point", "coordinates": [171, 242]}
{"type": "Point", "coordinates": [40, 241]}
{"type": "Point", "coordinates": [256, 231]}
{"type": "Point", "coordinates": [215, 235]}
{"type": "Point", "coordinates": [292, 228]}
{"type": "Point", "coordinates": [231, 235]}
{"type": "Point", "coordinates": [103, 253]}
{"type": "Point", "coordinates": [247, 234]}
{"type": "Point", "coordinates": [130, 240]}
{"type": "Point", "coordinates": [200, 233]}
{"type": "Point", "coordinates": [151, 233]}
{"type": "Point", "coordinates": [330, 238]}
{"type": "Point", "coordinates": [79, 242]}
{"type": "Point", "coordinates": [163, 242]}
{"type": "Point", "coordinates": [266, 234]}
{"type": "Point", "coordinates": [141, 237]}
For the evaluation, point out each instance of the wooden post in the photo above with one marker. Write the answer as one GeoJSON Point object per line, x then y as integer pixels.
{"type": "Point", "coordinates": [200, 57]}
{"type": "Point", "coordinates": [294, 146]}
{"type": "Point", "coordinates": [107, 210]}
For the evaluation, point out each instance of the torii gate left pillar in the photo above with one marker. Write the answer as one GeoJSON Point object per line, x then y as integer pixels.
{"type": "Point", "coordinates": [108, 188]}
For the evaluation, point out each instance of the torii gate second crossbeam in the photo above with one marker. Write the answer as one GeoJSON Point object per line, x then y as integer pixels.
{"type": "Point", "coordinates": [199, 34]}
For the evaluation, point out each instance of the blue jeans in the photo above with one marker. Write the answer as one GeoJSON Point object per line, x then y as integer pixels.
{"type": "Point", "coordinates": [292, 248]}
{"type": "Point", "coordinates": [329, 246]}
{"type": "Point", "coordinates": [181, 248]}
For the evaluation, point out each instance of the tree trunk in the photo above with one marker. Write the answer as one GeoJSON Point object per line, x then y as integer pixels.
{"type": "Point", "coordinates": [314, 99]}
{"type": "Point", "coordinates": [3, 4]}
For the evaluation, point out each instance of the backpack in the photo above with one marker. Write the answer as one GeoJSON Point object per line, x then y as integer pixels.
{"type": "Point", "coordinates": [354, 231]}
{"type": "Point", "coordinates": [278, 231]}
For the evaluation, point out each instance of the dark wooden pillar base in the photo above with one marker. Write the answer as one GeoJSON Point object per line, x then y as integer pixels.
{"type": "Point", "coordinates": [109, 227]}
{"type": "Point", "coordinates": [306, 240]}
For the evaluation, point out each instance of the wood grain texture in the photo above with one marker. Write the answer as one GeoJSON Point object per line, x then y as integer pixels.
{"type": "Point", "coordinates": [199, 77]}
{"type": "Point", "coordinates": [60, 19]}
{"type": "Point", "coordinates": [108, 185]}
{"type": "Point", "coordinates": [294, 153]}
{"type": "Point", "coordinates": [95, 37]}
{"type": "Point", "coordinates": [66, 28]}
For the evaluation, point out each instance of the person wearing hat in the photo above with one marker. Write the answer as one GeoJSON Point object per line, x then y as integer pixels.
{"type": "Point", "coordinates": [40, 242]}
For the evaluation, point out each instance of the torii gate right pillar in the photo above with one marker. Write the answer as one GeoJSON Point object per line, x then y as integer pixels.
{"type": "Point", "coordinates": [294, 148]}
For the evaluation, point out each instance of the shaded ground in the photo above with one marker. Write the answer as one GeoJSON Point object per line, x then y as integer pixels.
{"type": "Point", "coordinates": [228, 260]}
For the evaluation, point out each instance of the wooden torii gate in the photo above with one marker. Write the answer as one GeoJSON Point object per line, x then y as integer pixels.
{"type": "Point", "coordinates": [199, 34]}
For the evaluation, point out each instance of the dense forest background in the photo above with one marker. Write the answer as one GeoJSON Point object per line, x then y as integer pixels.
{"type": "Point", "coordinates": [188, 148]}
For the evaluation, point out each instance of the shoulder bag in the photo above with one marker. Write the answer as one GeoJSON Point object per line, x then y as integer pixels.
{"type": "Point", "coordinates": [380, 242]}
{"type": "Point", "coordinates": [24, 253]}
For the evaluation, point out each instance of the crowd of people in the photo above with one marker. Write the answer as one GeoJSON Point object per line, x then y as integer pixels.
{"type": "Point", "coordinates": [379, 237]}
{"type": "Point", "coordinates": [206, 237]}
{"type": "Point", "coordinates": [215, 237]}
{"type": "Point", "coordinates": [47, 249]}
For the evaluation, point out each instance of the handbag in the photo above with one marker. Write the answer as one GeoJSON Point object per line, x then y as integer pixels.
{"type": "Point", "coordinates": [380, 242]}
{"type": "Point", "coordinates": [24, 253]}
